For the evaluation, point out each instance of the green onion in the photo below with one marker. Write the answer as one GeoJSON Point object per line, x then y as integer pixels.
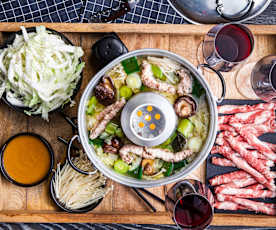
{"type": "Point", "coordinates": [180, 164]}
{"type": "Point", "coordinates": [131, 65]}
{"type": "Point", "coordinates": [119, 133]}
{"type": "Point", "coordinates": [169, 168]}
{"type": "Point", "coordinates": [92, 105]}
{"type": "Point", "coordinates": [121, 167]}
{"type": "Point", "coordinates": [137, 173]}
{"type": "Point", "coordinates": [198, 90]}
{"type": "Point", "coordinates": [185, 127]}
{"type": "Point", "coordinates": [111, 128]}
{"type": "Point", "coordinates": [170, 140]}
{"type": "Point", "coordinates": [96, 142]}
{"type": "Point", "coordinates": [157, 72]}
{"type": "Point", "coordinates": [134, 81]}
{"type": "Point", "coordinates": [125, 92]}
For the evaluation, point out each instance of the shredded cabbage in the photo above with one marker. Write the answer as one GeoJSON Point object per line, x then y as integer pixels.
{"type": "Point", "coordinates": [201, 120]}
{"type": "Point", "coordinates": [40, 71]}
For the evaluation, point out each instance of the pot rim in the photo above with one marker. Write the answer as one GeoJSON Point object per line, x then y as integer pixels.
{"type": "Point", "coordinates": [193, 21]}
{"type": "Point", "coordinates": [122, 179]}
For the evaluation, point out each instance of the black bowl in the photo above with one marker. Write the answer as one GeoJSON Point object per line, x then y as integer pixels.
{"type": "Point", "coordinates": [50, 151]}
{"type": "Point", "coordinates": [10, 40]}
{"type": "Point", "coordinates": [62, 206]}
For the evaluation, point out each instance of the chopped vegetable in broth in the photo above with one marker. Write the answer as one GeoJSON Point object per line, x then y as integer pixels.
{"type": "Point", "coordinates": [134, 76]}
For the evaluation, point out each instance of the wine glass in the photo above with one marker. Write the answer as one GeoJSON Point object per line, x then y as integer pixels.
{"type": "Point", "coordinates": [263, 79]}
{"type": "Point", "coordinates": [226, 46]}
{"type": "Point", "coordinates": [190, 203]}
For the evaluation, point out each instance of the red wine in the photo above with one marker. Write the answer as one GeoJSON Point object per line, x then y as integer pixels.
{"type": "Point", "coordinates": [193, 211]}
{"type": "Point", "coordinates": [233, 43]}
{"type": "Point", "coordinates": [273, 77]}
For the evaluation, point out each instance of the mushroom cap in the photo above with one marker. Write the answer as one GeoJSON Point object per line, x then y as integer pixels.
{"type": "Point", "coordinates": [105, 91]}
{"type": "Point", "coordinates": [185, 106]}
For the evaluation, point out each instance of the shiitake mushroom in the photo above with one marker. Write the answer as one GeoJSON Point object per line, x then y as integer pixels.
{"type": "Point", "coordinates": [185, 106]}
{"type": "Point", "coordinates": [105, 91]}
{"type": "Point", "coordinates": [113, 147]}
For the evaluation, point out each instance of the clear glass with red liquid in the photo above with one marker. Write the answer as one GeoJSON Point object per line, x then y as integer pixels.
{"type": "Point", "coordinates": [263, 78]}
{"type": "Point", "coordinates": [190, 204]}
{"type": "Point", "coordinates": [227, 45]}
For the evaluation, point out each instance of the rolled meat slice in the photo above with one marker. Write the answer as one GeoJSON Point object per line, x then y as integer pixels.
{"type": "Point", "coordinates": [256, 186]}
{"type": "Point", "coordinates": [241, 183]}
{"type": "Point", "coordinates": [244, 192]}
{"type": "Point", "coordinates": [227, 152]}
{"type": "Point", "coordinates": [224, 119]}
{"type": "Point", "coordinates": [225, 127]}
{"type": "Point", "coordinates": [232, 109]}
{"type": "Point", "coordinates": [222, 162]}
{"type": "Point", "coordinates": [260, 207]}
{"type": "Point", "coordinates": [228, 205]}
{"type": "Point", "coordinates": [255, 117]}
{"type": "Point", "coordinates": [229, 177]}
{"type": "Point", "coordinates": [250, 159]}
{"type": "Point", "coordinates": [262, 147]}
{"type": "Point", "coordinates": [257, 129]}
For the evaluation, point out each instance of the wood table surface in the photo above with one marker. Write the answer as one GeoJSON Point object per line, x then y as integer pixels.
{"type": "Point", "coordinates": [122, 205]}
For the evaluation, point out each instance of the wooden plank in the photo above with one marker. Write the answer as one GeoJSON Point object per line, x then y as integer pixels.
{"type": "Point", "coordinates": [131, 28]}
{"type": "Point", "coordinates": [87, 40]}
{"type": "Point", "coordinates": [9, 191]}
{"type": "Point", "coordinates": [129, 217]}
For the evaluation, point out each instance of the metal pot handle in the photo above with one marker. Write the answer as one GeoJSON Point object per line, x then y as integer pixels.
{"type": "Point", "coordinates": [247, 11]}
{"type": "Point", "coordinates": [221, 79]}
{"type": "Point", "coordinates": [68, 156]}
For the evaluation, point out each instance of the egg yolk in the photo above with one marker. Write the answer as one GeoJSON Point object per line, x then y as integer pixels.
{"type": "Point", "coordinates": [141, 124]}
{"type": "Point", "coordinates": [148, 118]}
{"type": "Point", "coordinates": [152, 126]}
{"type": "Point", "coordinates": [149, 108]}
{"type": "Point", "coordinates": [157, 116]}
{"type": "Point", "coordinates": [139, 113]}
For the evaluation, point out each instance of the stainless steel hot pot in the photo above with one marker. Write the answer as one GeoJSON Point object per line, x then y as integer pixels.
{"type": "Point", "coordinates": [83, 132]}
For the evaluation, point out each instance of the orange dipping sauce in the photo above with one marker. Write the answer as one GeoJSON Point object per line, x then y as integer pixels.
{"type": "Point", "coordinates": [26, 159]}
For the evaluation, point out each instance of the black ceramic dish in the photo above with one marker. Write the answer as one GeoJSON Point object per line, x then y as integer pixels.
{"type": "Point", "coordinates": [50, 151]}
{"type": "Point", "coordinates": [10, 40]}
{"type": "Point", "coordinates": [214, 170]}
{"type": "Point", "coordinates": [62, 206]}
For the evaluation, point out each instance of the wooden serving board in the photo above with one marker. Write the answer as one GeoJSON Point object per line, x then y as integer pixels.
{"type": "Point", "coordinates": [122, 205]}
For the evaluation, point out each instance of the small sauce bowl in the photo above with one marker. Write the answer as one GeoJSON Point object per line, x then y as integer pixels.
{"type": "Point", "coordinates": [49, 150]}
{"type": "Point", "coordinates": [62, 206]}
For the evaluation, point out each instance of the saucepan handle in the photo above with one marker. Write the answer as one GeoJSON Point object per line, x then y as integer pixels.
{"type": "Point", "coordinates": [112, 13]}
{"type": "Point", "coordinates": [221, 79]}
{"type": "Point", "coordinates": [246, 11]}
{"type": "Point", "coordinates": [69, 147]}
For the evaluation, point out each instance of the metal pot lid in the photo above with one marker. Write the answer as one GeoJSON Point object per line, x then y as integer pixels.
{"type": "Point", "coordinates": [148, 119]}
{"type": "Point", "coordinates": [218, 11]}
